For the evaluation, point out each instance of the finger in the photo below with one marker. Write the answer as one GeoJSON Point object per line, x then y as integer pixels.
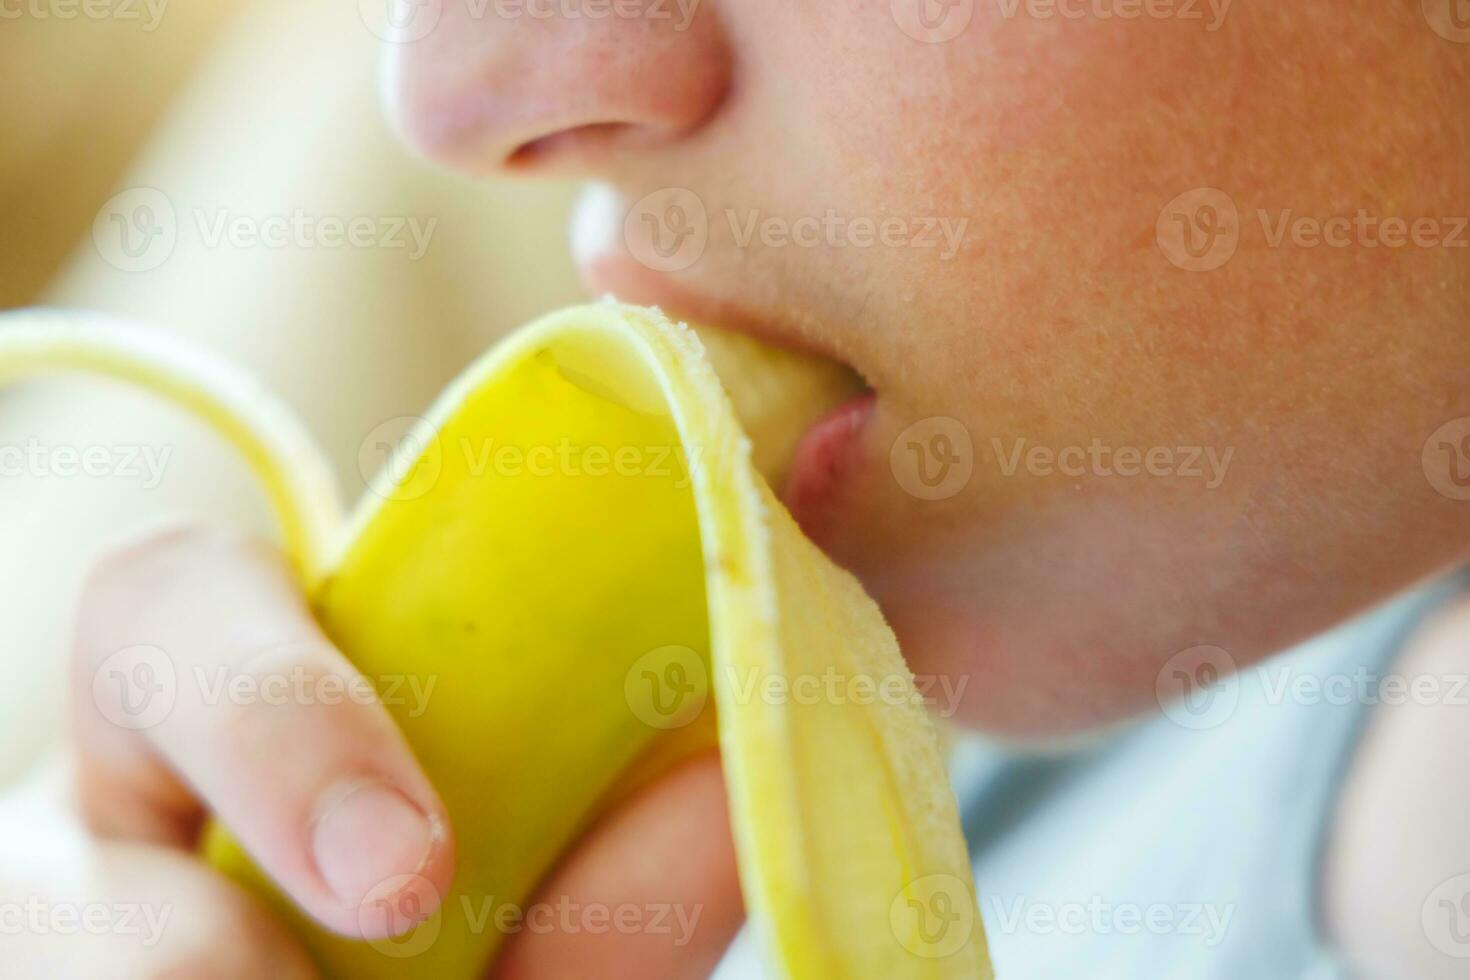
{"type": "Point", "coordinates": [201, 672]}
{"type": "Point", "coordinates": [76, 907]}
{"type": "Point", "coordinates": [652, 891]}
{"type": "Point", "coordinates": [147, 913]}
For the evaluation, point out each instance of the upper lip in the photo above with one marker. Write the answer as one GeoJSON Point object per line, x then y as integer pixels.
{"type": "Point", "coordinates": [629, 281]}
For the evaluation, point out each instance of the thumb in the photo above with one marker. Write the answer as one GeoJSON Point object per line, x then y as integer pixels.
{"type": "Point", "coordinates": [651, 891]}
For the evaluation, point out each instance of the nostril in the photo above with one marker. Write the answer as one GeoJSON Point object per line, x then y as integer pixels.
{"type": "Point", "coordinates": [562, 95]}
{"type": "Point", "coordinates": [587, 137]}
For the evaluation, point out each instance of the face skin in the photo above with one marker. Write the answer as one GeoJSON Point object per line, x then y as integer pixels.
{"type": "Point", "coordinates": [1289, 392]}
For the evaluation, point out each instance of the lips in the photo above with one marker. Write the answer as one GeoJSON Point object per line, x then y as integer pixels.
{"type": "Point", "coordinates": [821, 451]}
{"type": "Point", "coordinates": [825, 462]}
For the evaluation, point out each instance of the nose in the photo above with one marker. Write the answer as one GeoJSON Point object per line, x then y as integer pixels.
{"type": "Point", "coordinates": [563, 85]}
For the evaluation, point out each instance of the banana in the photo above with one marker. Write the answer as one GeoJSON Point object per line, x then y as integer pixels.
{"type": "Point", "coordinates": [576, 545]}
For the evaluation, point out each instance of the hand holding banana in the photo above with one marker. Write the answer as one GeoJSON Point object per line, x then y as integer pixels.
{"type": "Point", "coordinates": [586, 627]}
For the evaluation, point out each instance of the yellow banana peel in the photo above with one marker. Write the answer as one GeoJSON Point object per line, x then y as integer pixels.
{"type": "Point", "coordinates": [617, 589]}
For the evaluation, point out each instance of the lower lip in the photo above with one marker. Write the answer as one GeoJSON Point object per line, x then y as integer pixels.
{"type": "Point", "coordinates": [824, 462]}
{"type": "Point", "coordinates": [828, 453]}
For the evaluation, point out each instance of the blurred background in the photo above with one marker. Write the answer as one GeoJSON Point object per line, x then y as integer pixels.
{"type": "Point", "coordinates": [196, 166]}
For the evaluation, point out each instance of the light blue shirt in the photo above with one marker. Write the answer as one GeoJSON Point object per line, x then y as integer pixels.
{"type": "Point", "coordinates": [1186, 847]}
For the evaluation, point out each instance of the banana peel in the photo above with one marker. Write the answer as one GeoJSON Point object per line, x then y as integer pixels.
{"type": "Point", "coordinates": [635, 596]}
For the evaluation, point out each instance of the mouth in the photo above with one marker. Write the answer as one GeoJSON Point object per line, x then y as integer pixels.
{"type": "Point", "coordinates": [806, 411]}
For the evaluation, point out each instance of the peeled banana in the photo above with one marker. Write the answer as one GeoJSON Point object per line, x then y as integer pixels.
{"type": "Point", "coordinates": [589, 624]}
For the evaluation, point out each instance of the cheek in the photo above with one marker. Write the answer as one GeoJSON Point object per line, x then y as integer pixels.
{"type": "Point", "coordinates": [1060, 142]}
{"type": "Point", "coordinates": [968, 112]}
{"type": "Point", "coordinates": [1053, 141]}
{"type": "Point", "coordinates": [1063, 321]}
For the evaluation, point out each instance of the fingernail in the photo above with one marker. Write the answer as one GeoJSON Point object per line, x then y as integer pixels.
{"type": "Point", "coordinates": [366, 833]}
